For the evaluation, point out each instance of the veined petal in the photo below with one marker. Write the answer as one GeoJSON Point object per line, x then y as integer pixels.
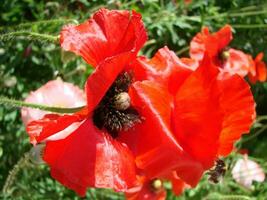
{"type": "Point", "coordinates": [156, 149]}
{"type": "Point", "coordinates": [210, 43]}
{"type": "Point", "coordinates": [90, 158]}
{"type": "Point", "coordinates": [51, 124]}
{"type": "Point", "coordinates": [178, 185]}
{"type": "Point", "coordinates": [238, 63]}
{"type": "Point", "coordinates": [238, 107]}
{"type": "Point", "coordinates": [164, 67]}
{"type": "Point", "coordinates": [53, 93]}
{"type": "Point", "coordinates": [145, 191]}
{"type": "Point", "coordinates": [260, 72]}
{"type": "Point", "coordinates": [197, 118]}
{"type": "Point", "coordinates": [108, 33]}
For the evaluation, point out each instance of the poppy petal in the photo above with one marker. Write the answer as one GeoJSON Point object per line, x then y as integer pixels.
{"type": "Point", "coordinates": [246, 171]}
{"type": "Point", "coordinates": [90, 158]}
{"type": "Point", "coordinates": [238, 63]}
{"type": "Point", "coordinates": [210, 43]}
{"type": "Point", "coordinates": [53, 93]}
{"type": "Point", "coordinates": [156, 150]}
{"type": "Point", "coordinates": [163, 67]}
{"type": "Point", "coordinates": [107, 33]}
{"type": "Point", "coordinates": [178, 185]}
{"type": "Point", "coordinates": [196, 104]}
{"type": "Point", "coordinates": [103, 77]}
{"type": "Point", "coordinates": [145, 191]}
{"type": "Point", "coordinates": [261, 71]}
{"type": "Point", "coordinates": [238, 108]}
{"type": "Point", "coordinates": [51, 124]}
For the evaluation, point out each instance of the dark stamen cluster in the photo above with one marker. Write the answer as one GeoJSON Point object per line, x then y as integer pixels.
{"type": "Point", "coordinates": [108, 116]}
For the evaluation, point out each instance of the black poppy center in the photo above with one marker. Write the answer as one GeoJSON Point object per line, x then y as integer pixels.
{"type": "Point", "coordinates": [114, 113]}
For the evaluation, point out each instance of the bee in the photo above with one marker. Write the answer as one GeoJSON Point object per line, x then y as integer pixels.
{"type": "Point", "coordinates": [218, 172]}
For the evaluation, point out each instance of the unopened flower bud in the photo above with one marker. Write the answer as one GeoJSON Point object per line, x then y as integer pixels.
{"type": "Point", "coordinates": [36, 154]}
{"type": "Point", "coordinates": [122, 101]}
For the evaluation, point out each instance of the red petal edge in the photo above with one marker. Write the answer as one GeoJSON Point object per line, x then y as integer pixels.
{"type": "Point", "coordinates": [90, 158]}
{"type": "Point", "coordinates": [108, 33]}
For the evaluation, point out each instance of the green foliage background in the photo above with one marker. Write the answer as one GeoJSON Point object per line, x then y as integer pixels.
{"type": "Point", "coordinates": [26, 64]}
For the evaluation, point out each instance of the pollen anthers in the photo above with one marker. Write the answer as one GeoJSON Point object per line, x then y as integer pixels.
{"type": "Point", "coordinates": [114, 112]}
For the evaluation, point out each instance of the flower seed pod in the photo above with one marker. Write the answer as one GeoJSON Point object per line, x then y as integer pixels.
{"type": "Point", "coordinates": [122, 101]}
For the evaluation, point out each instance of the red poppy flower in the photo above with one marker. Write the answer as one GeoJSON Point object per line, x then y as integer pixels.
{"type": "Point", "coordinates": [147, 189]}
{"type": "Point", "coordinates": [216, 46]}
{"type": "Point", "coordinates": [108, 33]}
{"type": "Point", "coordinates": [208, 110]}
{"type": "Point", "coordinates": [81, 149]}
{"type": "Point", "coordinates": [153, 189]}
{"type": "Point", "coordinates": [260, 70]}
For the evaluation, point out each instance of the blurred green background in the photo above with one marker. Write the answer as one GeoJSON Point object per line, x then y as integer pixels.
{"type": "Point", "coordinates": [27, 63]}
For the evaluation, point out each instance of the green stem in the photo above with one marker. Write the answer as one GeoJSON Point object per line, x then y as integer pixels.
{"type": "Point", "coordinates": [15, 103]}
{"type": "Point", "coordinates": [24, 161]}
{"type": "Point", "coordinates": [261, 118]}
{"type": "Point", "coordinates": [227, 197]}
{"type": "Point", "coordinates": [248, 26]}
{"type": "Point", "coordinates": [29, 36]}
{"type": "Point", "coordinates": [240, 14]}
{"type": "Point", "coordinates": [183, 50]}
{"type": "Point", "coordinates": [38, 23]}
{"type": "Point", "coordinates": [257, 133]}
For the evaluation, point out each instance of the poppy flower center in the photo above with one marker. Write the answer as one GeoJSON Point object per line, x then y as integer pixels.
{"type": "Point", "coordinates": [114, 112]}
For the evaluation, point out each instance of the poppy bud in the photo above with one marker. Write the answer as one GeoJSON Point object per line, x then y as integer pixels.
{"type": "Point", "coordinates": [122, 101]}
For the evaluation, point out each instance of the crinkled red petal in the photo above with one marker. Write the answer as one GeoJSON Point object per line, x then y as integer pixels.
{"type": "Point", "coordinates": [146, 193]}
{"type": "Point", "coordinates": [238, 108]}
{"type": "Point", "coordinates": [261, 71]}
{"type": "Point", "coordinates": [156, 149]}
{"type": "Point", "coordinates": [107, 33]}
{"type": "Point", "coordinates": [197, 117]}
{"type": "Point", "coordinates": [213, 44]}
{"type": "Point", "coordinates": [90, 158]}
{"type": "Point", "coordinates": [50, 124]}
{"type": "Point", "coordinates": [238, 63]}
{"type": "Point", "coordinates": [103, 77]}
{"type": "Point", "coordinates": [224, 36]}
{"type": "Point", "coordinates": [164, 67]}
{"type": "Point", "coordinates": [178, 185]}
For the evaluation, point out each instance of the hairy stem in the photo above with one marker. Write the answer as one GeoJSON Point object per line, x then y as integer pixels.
{"type": "Point", "coordinates": [28, 35]}
{"type": "Point", "coordinates": [227, 197]}
{"type": "Point", "coordinates": [248, 26]}
{"type": "Point", "coordinates": [183, 50]}
{"type": "Point", "coordinates": [14, 103]}
{"type": "Point", "coordinates": [39, 23]}
{"type": "Point", "coordinates": [23, 161]}
{"type": "Point", "coordinates": [238, 14]}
